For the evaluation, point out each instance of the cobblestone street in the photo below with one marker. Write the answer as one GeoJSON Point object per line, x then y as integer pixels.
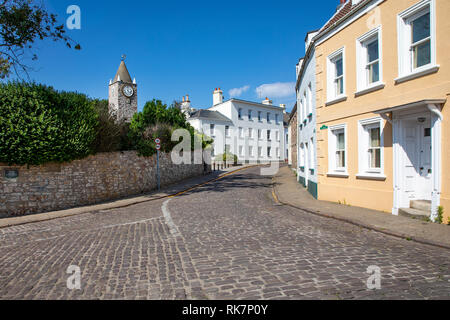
{"type": "Point", "coordinates": [225, 240]}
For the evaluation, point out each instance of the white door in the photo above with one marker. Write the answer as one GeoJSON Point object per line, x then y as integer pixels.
{"type": "Point", "coordinates": [417, 161]}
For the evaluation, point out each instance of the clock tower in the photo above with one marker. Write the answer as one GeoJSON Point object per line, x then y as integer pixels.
{"type": "Point", "coordinates": [123, 94]}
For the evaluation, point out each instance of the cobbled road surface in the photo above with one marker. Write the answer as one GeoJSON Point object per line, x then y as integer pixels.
{"type": "Point", "coordinates": [225, 240]}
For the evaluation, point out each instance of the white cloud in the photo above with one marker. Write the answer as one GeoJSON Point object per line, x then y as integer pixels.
{"type": "Point", "coordinates": [276, 90]}
{"type": "Point", "coordinates": [236, 92]}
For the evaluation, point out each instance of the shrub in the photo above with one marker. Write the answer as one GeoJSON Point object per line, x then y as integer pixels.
{"type": "Point", "coordinates": [39, 124]}
{"type": "Point", "coordinates": [227, 157]}
{"type": "Point", "coordinates": [440, 215]}
{"type": "Point", "coordinates": [111, 136]}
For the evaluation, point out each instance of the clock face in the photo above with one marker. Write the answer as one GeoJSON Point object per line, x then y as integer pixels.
{"type": "Point", "coordinates": [128, 91]}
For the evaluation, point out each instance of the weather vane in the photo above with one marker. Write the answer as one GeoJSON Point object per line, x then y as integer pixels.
{"type": "Point", "coordinates": [124, 56]}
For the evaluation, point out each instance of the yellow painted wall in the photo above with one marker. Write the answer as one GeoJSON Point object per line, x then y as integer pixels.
{"type": "Point", "coordinates": [379, 194]}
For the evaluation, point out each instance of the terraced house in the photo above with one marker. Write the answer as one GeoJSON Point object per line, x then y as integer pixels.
{"type": "Point", "coordinates": [383, 81]}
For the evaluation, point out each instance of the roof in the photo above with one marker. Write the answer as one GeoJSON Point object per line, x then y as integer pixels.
{"type": "Point", "coordinates": [293, 112]}
{"type": "Point", "coordinates": [411, 105]}
{"type": "Point", "coordinates": [123, 73]}
{"type": "Point", "coordinates": [347, 9]}
{"type": "Point", "coordinates": [286, 118]}
{"type": "Point", "coordinates": [209, 115]}
{"type": "Point", "coordinates": [269, 106]}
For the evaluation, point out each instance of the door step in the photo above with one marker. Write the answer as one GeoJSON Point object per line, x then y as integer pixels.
{"type": "Point", "coordinates": [414, 213]}
{"type": "Point", "coordinates": [424, 205]}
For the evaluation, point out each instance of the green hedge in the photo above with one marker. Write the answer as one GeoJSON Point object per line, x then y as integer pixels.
{"type": "Point", "coordinates": [39, 124]}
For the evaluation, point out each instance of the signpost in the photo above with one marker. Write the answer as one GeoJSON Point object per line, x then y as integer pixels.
{"type": "Point", "coordinates": [158, 174]}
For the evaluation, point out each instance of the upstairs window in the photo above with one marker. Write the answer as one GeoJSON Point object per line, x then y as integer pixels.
{"type": "Point", "coordinates": [212, 129]}
{"type": "Point", "coordinates": [240, 114]}
{"type": "Point", "coordinates": [417, 53]}
{"type": "Point", "coordinates": [268, 117]}
{"type": "Point", "coordinates": [369, 60]}
{"type": "Point", "coordinates": [276, 119]}
{"type": "Point", "coordinates": [227, 131]}
{"type": "Point", "coordinates": [250, 116]}
{"type": "Point", "coordinates": [268, 135]}
{"type": "Point", "coordinates": [241, 133]}
{"type": "Point", "coordinates": [259, 116]}
{"type": "Point", "coordinates": [250, 133]}
{"type": "Point", "coordinates": [336, 75]}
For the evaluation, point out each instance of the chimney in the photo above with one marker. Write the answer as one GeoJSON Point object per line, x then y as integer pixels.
{"type": "Point", "coordinates": [267, 102]}
{"type": "Point", "coordinates": [342, 2]}
{"type": "Point", "coordinates": [283, 106]}
{"type": "Point", "coordinates": [186, 104]}
{"type": "Point", "coordinates": [217, 97]}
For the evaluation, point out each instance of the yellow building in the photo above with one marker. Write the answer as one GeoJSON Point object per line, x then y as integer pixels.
{"type": "Point", "coordinates": [383, 119]}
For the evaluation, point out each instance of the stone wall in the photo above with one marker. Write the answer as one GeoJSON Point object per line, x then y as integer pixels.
{"type": "Point", "coordinates": [99, 178]}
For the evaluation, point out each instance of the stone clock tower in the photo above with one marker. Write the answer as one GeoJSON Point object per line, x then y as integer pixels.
{"type": "Point", "coordinates": [123, 95]}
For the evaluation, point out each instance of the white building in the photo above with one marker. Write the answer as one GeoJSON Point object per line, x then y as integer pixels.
{"type": "Point", "coordinates": [306, 117]}
{"type": "Point", "coordinates": [253, 131]}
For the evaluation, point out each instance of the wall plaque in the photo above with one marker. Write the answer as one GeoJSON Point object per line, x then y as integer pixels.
{"type": "Point", "coordinates": [11, 173]}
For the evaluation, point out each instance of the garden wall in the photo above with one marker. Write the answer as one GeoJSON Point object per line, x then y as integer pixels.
{"type": "Point", "coordinates": [99, 178]}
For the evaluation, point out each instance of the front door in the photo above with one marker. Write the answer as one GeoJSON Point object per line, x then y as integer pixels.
{"type": "Point", "coordinates": [417, 160]}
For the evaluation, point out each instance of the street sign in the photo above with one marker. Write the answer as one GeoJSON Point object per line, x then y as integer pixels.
{"type": "Point", "coordinates": [158, 147]}
{"type": "Point", "coordinates": [157, 141]}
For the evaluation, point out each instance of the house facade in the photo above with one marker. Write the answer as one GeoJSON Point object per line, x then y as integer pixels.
{"type": "Point", "coordinates": [307, 117]}
{"type": "Point", "coordinates": [293, 137]}
{"type": "Point", "coordinates": [383, 81]}
{"type": "Point", "coordinates": [253, 131]}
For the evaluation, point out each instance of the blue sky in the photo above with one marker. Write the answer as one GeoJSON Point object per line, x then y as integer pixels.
{"type": "Point", "coordinates": [176, 48]}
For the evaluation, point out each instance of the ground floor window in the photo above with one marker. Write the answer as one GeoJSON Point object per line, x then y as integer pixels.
{"type": "Point", "coordinates": [370, 146]}
{"type": "Point", "coordinates": [337, 149]}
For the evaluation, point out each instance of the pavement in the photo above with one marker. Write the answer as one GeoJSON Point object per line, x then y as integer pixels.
{"type": "Point", "coordinates": [227, 239]}
{"type": "Point", "coordinates": [168, 191]}
{"type": "Point", "coordinates": [290, 192]}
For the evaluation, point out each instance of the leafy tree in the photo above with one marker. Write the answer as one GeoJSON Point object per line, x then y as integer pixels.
{"type": "Point", "coordinates": [22, 23]}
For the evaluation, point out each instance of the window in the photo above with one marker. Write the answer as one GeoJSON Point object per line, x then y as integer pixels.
{"type": "Point", "coordinates": [277, 135]}
{"type": "Point", "coordinates": [240, 114]}
{"type": "Point", "coordinates": [260, 152]}
{"type": "Point", "coordinates": [212, 129]}
{"type": "Point", "coordinates": [241, 133]}
{"type": "Point", "coordinates": [416, 36]}
{"type": "Point", "coordinates": [276, 119]}
{"type": "Point", "coordinates": [241, 151]}
{"type": "Point", "coordinates": [227, 131]}
{"type": "Point", "coordinates": [250, 133]}
{"type": "Point", "coordinates": [311, 155]}
{"type": "Point", "coordinates": [302, 156]}
{"type": "Point", "coordinates": [268, 135]}
{"type": "Point", "coordinates": [310, 105]}
{"type": "Point", "coordinates": [259, 134]}
{"type": "Point", "coordinates": [212, 153]}
{"type": "Point", "coordinates": [305, 99]}
{"type": "Point", "coordinates": [250, 117]}
{"type": "Point", "coordinates": [268, 117]}
{"type": "Point", "coordinates": [337, 150]}
{"type": "Point", "coordinates": [259, 116]}
{"type": "Point", "coordinates": [369, 60]}
{"type": "Point", "coordinates": [278, 152]}
{"type": "Point", "coordinates": [227, 148]}
{"type": "Point", "coordinates": [269, 152]}
{"type": "Point", "coordinates": [370, 146]}
{"type": "Point", "coordinates": [250, 151]}
{"type": "Point", "coordinates": [336, 75]}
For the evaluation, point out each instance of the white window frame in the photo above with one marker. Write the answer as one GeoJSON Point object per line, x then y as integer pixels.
{"type": "Point", "coordinates": [312, 158]}
{"type": "Point", "coordinates": [212, 130]}
{"type": "Point", "coordinates": [241, 133]}
{"type": "Point", "coordinates": [250, 151]}
{"type": "Point", "coordinates": [260, 134]}
{"type": "Point", "coordinates": [268, 118]}
{"type": "Point", "coordinates": [277, 135]}
{"type": "Point", "coordinates": [277, 120]}
{"type": "Point", "coordinates": [259, 116]}
{"type": "Point", "coordinates": [332, 169]}
{"type": "Point", "coordinates": [227, 131]}
{"type": "Point", "coordinates": [240, 113]}
{"type": "Point", "coordinates": [310, 104]}
{"type": "Point", "coordinates": [269, 152]}
{"type": "Point", "coordinates": [250, 133]}
{"type": "Point", "coordinates": [332, 95]}
{"type": "Point", "coordinates": [250, 115]}
{"type": "Point", "coordinates": [302, 156]}
{"type": "Point", "coordinates": [305, 98]}
{"type": "Point", "coordinates": [405, 67]}
{"type": "Point", "coordinates": [363, 145]}
{"type": "Point", "coordinates": [241, 151]}
{"type": "Point", "coordinates": [362, 75]}
{"type": "Point", "coordinates": [269, 135]}
{"type": "Point", "coordinates": [260, 152]}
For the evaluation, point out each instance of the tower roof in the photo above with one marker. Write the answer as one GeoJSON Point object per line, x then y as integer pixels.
{"type": "Point", "coordinates": [123, 73]}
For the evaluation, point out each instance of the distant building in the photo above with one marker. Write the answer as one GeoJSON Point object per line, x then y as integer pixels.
{"type": "Point", "coordinates": [292, 139]}
{"type": "Point", "coordinates": [255, 132]}
{"type": "Point", "coordinates": [123, 95]}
